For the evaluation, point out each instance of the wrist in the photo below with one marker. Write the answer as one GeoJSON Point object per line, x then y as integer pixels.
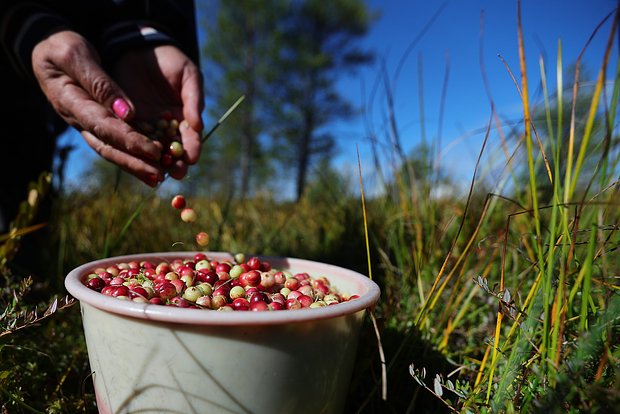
{"type": "Point", "coordinates": [126, 36]}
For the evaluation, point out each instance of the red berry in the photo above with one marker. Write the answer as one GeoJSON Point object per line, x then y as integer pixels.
{"type": "Point", "coordinates": [178, 202]}
{"type": "Point", "coordinates": [166, 160]}
{"type": "Point", "coordinates": [259, 306]}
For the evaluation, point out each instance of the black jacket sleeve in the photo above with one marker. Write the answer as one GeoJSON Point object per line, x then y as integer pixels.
{"type": "Point", "coordinates": [113, 26]}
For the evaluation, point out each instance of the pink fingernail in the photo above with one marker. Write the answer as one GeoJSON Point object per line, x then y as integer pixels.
{"type": "Point", "coordinates": [120, 108]}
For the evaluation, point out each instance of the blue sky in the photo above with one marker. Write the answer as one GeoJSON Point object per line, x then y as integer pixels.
{"type": "Point", "coordinates": [453, 36]}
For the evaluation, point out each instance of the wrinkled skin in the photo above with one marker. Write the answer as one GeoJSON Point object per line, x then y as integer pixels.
{"type": "Point", "coordinates": [150, 80]}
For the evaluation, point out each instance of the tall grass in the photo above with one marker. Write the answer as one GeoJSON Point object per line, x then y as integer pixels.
{"type": "Point", "coordinates": [509, 306]}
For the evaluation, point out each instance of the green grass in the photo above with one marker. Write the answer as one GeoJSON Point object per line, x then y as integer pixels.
{"type": "Point", "coordinates": [505, 300]}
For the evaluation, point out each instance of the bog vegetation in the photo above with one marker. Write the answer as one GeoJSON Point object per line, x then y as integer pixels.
{"type": "Point", "coordinates": [504, 299]}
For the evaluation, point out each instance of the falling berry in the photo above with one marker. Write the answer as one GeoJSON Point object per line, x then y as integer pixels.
{"type": "Point", "coordinates": [202, 238]}
{"type": "Point", "coordinates": [178, 202]}
{"type": "Point", "coordinates": [188, 215]}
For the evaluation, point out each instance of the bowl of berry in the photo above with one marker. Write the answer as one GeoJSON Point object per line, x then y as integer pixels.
{"type": "Point", "coordinates": [211, 332]}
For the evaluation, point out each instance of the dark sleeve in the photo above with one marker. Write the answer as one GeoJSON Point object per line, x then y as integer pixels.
{"type": "Point", "coordinates": [23, 25]}
{"type": "Point", "coordinates": [113, 26]}
{"type": "Point", "coordinates": [135, 23]}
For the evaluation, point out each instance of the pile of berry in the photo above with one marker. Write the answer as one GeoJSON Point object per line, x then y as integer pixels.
{"type": "Point", "coordinates": [202, 283]}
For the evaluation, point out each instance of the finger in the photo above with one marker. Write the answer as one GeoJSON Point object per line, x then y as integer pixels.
{"type": "Point", "coordinates": [150, 174]}
{"type": "Point", "coordinates": [86, 71]}
{"type": "Point", "coordinates": [192, 97]}
{"type": "Point", "coordinates": [191, 143]}
{"type": "Point", "coordinates": [94, 118]}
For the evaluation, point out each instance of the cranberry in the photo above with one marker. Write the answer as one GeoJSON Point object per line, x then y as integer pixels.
{"type": "Point", "coordinates": [171, 276]}
{"type": "Point", "coordinates": [241, 304]}
{"type": "Point", "coordinates": [223, 267]}
{"type": "Point", "coordinates": [305, 300]}
{"type": "Point", "coordinates": [293, 304]}
{"type": "Point", "coordinates": [276, 306]}
{"type": "Point", "coordinates": [156, 301]}
{"type": "Point", "coordinates": [277, 297]}
{"type": "Point", "coordinates": [252, 278]}
{"type": "Point", "coordinates": [113, 270]}
{"type": "Point", "coordinates": [254, 263]}
{"type": "Point", "coordinates": [192, 293]}
{"type": "Point", "coordinates": [217, 301]}
{"type": "Point", "coordinates": [166, 290]}
{"type": "Point", "coordinates": [306, 290]}
{"type": "Point", "coordinates": [138, 291]}
{"type": "Point", "coordinates": [207, 277]}
{"type": "Point", "coordinates": [150, 273]}
{"type": "Point", "coordinates": [235, 271]}
{"type": "Point", "coordinates": [239, 258]}
{"type": "Point", "coordinates": [200, 257]}
{"type": "Point", "coordinates": [267, 280]}
{"type": "Point", "coordinates": [295, 294]}
{"type": "Point", "coordinates": [176, 149]}
{"type": "Point", "coordinates": [163, 267]}
{"type": "Point", "coordinates": [279, 278]}
{"type": "Point", "coordinates": [107, 290]}
{"type": "Point", "coordinates": [223, 290]}
{"type": "Point", "coordinates": [204, 301]}
{"type": "Point", "coordinates": [178, 202]}
{"type": "Point", "coordinates": [292, 284]}
{"type": "Point", "coordinates": [188, 215]}
{"type": "Point", "coordinates": [318, 304]}
{"type": "Point", "coordinates": [302, 276]}
{"type": "Point", "coordinates": [258, 297]}
{"type": "Point", "coordinates": [166, 160]}
{"type": "Point", "coordinates": [145, 264]}
{"type": "Point", "coordinates": [120, 291]}
{"type": "Point", "coordinates": [202, 265]}
{"type": "Point", "coordinates": [186, 271]}
{"type": "Point", "coordinates": [202, 239]}
{"type": "Point", "coordinates": [180, 302]}
{"type": "Point", "coordinates": [237, 292]}
{"type": "Point", "coordinates": [96, 284]}
{"type": "Point", "coordinates": [223, 276]}
{"type": "Point", "coordinates": [178, 284]}
{"type": "Point", "coordinates": [259, 306]}
{"type": "Point", "coordinates": [117, 281]}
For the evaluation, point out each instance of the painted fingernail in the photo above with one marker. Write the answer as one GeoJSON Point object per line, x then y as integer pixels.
{"type": "Point", "coordinates": [120, 108]}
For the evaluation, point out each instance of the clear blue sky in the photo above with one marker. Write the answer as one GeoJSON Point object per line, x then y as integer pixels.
{"type": "Point", "coordinates": [453, 36]}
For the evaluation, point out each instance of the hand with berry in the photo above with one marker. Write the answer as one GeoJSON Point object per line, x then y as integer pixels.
{"type": "Point", "coordinates": [68, 70]}
{"type": "Point", "coordinates": [162, 82]}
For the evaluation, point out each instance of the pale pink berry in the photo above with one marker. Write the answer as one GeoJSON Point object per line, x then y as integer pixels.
{"type": "Point", "coordinates": [202, 238]}
{"type": "Point", "coordinates": [188, 215]}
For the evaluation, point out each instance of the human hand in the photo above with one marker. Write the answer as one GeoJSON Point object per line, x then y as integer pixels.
{"type": "Point", "coordinates": [163, 79]}
{"type": "Point", "coordinates": [68, 71]}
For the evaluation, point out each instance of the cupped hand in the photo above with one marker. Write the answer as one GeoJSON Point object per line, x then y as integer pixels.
{"type": "Point", "coordinates": [69, 73]}
{"type": "Point", "coordinates": [163, 79]}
